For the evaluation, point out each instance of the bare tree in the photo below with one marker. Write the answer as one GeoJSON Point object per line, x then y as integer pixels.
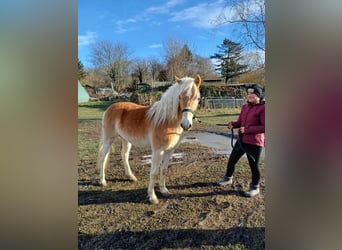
{"type": "Point", "coordinates": [249, 17]}
{"type": "Point", "coordinates": [172, 49]}
{"type": "Point", "coordinates": [155, 68]}
{"type": "Point", "coordinates": [112, 60]}
{"type": "Point", "coordinates": [140, 70]}
{"type": "Point", "coordinates": [179, 59]}
{"type": "Point", "coordinates": [94, 78]}
{"type": "Point", "coordinates": [254, 60]}
{"type": "Point", "coordinates": [204, 67]}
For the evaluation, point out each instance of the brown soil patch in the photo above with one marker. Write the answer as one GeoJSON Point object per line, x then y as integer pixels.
{"type": "Point", "coordinates": [198, 215]}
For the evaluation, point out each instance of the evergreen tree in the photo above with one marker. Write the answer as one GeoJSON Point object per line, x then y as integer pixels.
{"type": "Point", "coordinates": [229, 55]}
{"type": "Point", "coordinates": [186, 59]}
{"type": "Point", "coordinates": [81, 72]}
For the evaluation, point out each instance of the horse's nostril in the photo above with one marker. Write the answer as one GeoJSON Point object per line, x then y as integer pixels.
{"type": "Point", "coordinates": [186, 127]}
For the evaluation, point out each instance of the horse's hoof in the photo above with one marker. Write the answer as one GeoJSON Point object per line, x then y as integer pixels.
{"type": "Point", "coordinates": [103, 183]}
{"type": "Point", "coordinates": [166, 194]}
{"type": "Point", "coordinates": [133, 178]}
{"type": "Point", "coordinates": [154, 201]}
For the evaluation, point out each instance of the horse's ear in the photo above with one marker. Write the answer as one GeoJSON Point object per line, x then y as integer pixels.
{"type": "Point", "coordinates": [198, 80]}
{"type": "Point", "coordinates": [178, 79]}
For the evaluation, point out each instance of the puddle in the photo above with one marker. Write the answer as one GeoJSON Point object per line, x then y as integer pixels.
{"type": "Point", "coordinates": [175, 159]}
{"type": "Point", "coordinates": [219, 143]}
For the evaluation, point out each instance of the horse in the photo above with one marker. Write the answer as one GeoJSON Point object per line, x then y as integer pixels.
{"type": "Point", "coordinates": [159, 126]}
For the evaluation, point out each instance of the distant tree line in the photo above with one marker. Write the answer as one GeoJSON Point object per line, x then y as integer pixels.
{"type": "Point", "coordinates": [113, 66]}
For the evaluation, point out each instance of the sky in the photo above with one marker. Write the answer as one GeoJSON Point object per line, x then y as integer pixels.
{"type": "Point", "coordinates": [146, 25]}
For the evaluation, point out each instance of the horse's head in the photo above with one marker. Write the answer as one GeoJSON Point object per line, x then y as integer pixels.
{"type": "Point", "coordinates": [188, 100]}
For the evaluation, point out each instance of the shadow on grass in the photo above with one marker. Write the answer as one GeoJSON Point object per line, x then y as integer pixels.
{"type": "Point", "coordinates": [109, 196]}
{"type": "Point", "coordinates": [232, 238]}
{"type": "Point", "coordinates": [140, 195]}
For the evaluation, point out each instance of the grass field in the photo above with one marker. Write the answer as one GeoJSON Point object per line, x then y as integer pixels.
{"type": "Point", "coordinates": [198, 215]}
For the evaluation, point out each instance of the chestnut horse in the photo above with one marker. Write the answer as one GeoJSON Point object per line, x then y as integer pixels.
{"type": "Point", "coordinates": [159, 126]}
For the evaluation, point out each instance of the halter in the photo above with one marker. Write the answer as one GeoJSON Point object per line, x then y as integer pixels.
{"type": "Point", "coordinates": [189, 110]}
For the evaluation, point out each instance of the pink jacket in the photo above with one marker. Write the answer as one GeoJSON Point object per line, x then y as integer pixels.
{"type": "Point", "coordinates": [252, 117]}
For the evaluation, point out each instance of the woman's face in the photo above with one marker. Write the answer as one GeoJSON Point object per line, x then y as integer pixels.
{"type": "Point", "coordinates": [251, 97]}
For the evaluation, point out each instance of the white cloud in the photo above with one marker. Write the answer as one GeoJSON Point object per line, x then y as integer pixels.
{"type": "Point", "coordinates": [165, 8]}
{"type": "Point", "coordinates": [203, 15]}
{"type": "Point", "coordinates": [172, 3]}
{"type": "Point", "coordinates": [154, 46]}
{"type": "Point", "coordinates": [122, 25]}
{"type": "Point", "coordinates": [88, 38]}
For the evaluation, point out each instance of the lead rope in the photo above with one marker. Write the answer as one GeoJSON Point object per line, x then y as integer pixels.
{"type": "Point", "coordinates": [232, 137]}
{"type": "Point", "coordinates": [240, 144]}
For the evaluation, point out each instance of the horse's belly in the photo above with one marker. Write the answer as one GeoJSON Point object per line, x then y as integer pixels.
{"type": "Point", "coordinates": [136, 139]}
{"type": "Point", "coordinates": [138, 142]}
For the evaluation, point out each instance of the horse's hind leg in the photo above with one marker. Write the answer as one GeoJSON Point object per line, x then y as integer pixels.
{"type": "Point", "coordinates": [126, 147]}
{"type": "Point", "coordinates": [103, 159]}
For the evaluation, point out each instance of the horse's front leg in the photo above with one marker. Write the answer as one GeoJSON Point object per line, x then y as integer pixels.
{"type": "Point", "coordinates": [155, 165]}
{"type": "Point", "coordinates": [163, 172]}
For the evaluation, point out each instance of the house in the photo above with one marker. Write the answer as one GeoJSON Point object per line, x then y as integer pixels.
{"type": "Point", "coordinates": [213, 80]}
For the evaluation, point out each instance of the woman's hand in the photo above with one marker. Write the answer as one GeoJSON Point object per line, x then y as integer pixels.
{"type": "Point", "coordinates": [230, 126]}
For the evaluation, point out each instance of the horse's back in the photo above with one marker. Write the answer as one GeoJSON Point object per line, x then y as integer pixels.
{"type": "Point", "coordinates": [124, 113]}
{"type": "Point", "coordinates": [127, 120]}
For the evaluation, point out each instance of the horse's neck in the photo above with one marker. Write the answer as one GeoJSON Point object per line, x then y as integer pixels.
{"type": "Point", "coordinates": [157, 112]}
{"type": "Point", "coordinates": [178, 116]}
{"type": "Point", "coordinates": [177, 123]}
{"type": "Point", "coordinates": [174, 124]}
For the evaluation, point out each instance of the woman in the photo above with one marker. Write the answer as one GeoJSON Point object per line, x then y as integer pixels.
{"type": "Point", "coordinates": [251, 124]}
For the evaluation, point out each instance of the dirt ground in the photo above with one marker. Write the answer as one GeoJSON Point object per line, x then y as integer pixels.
{"type": "Point", "coordinates": [198, 215]}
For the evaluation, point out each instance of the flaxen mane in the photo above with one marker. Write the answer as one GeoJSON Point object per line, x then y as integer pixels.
{"type": "Point", "coordinates": [166, 109]}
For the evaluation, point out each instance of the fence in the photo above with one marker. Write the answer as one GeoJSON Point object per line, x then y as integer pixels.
{"type": "Point", "coordinates": [227, 102]}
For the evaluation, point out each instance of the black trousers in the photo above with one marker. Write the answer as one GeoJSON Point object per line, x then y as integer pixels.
{"type": "Point", "coordinates": [238, 152]}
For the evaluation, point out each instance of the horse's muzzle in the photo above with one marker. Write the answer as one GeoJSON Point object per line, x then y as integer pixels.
{"type": "Point", "coordinates": [186, 127]}
{"type": "Point", "coordinates": [186, 121]}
